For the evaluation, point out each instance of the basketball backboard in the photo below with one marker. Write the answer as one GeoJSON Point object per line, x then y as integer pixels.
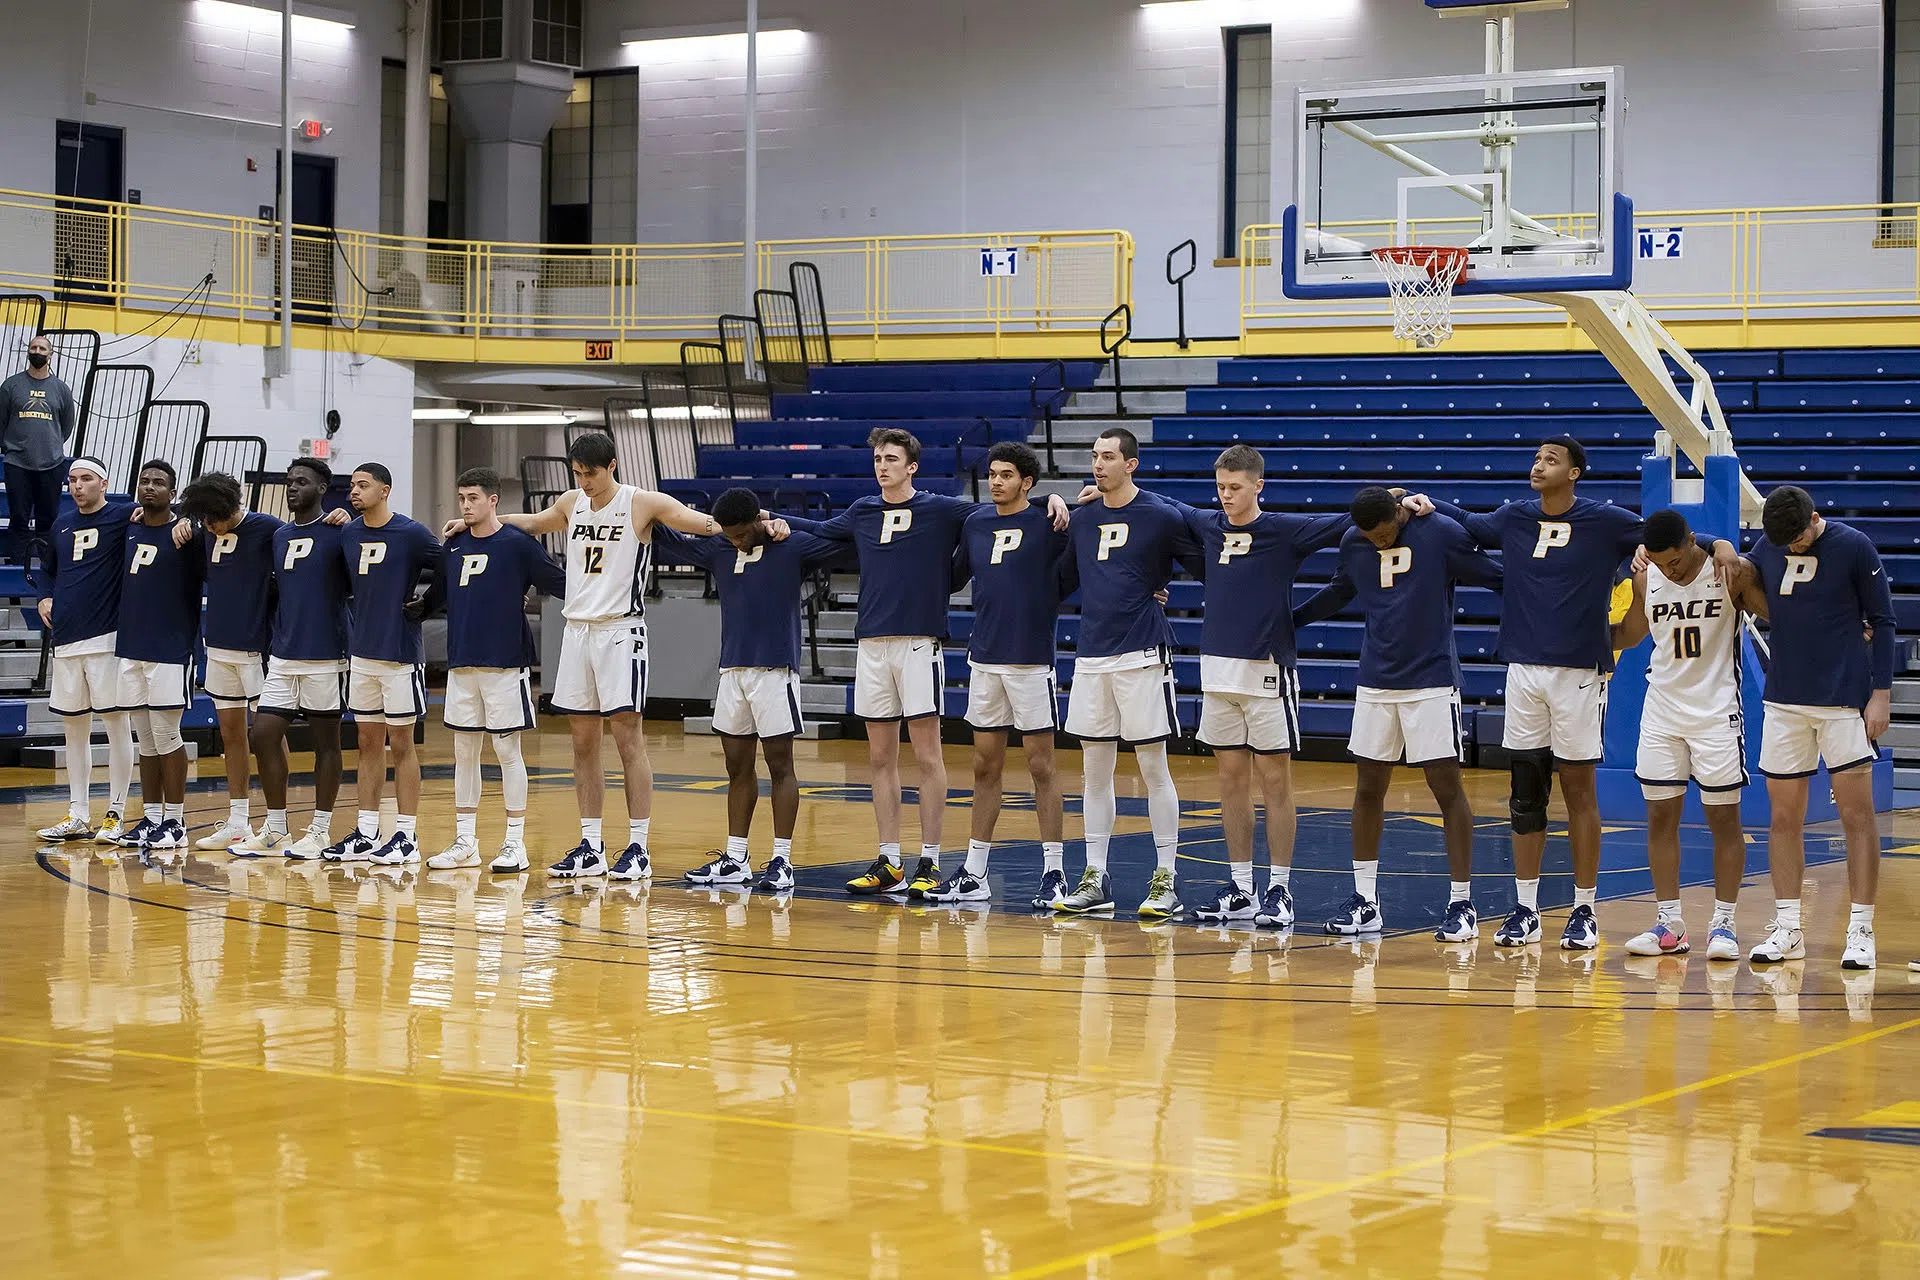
{"type": "Point", "coordinates": [1522, 169]}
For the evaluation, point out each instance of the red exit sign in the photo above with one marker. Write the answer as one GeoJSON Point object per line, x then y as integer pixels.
{"type": "Point", "coordinates": [599, 350]}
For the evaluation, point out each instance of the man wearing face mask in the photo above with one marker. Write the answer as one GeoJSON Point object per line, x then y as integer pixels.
{"type": "Point", "coordinates": [37, 419]}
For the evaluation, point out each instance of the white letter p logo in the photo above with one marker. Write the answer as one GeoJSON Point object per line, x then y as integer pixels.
{"type": "Point", "coordinates": [224, 545]}
{"type": "Point", "coordinates": [1111, 536]}
{"type": "Point", "coordinates": [741, 559]}
{"type": "Point", "coordinates": [371, 553]}
{"type": "Point", "coordinates": [84, 540]}
{"type": "Point", "coordinates": [892, 522]}
{"type": "Point", "coordinates": [1553, 533]}
{"type": "Point", "coordinates": [1799, 569]}
{"type": "Point", "coordinates": [144, 554]}
{"type": "Point", "coordinates": [1004, 540]}
{"type": "Point", "coordinates": [1394, 561]}
{"type": "Point", "coordinates": [471, 567]}
{"type": "Point", "coordinates": [1235, 544]}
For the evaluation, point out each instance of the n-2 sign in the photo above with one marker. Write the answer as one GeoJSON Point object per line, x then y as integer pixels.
{"type": "Point", "coordinates": [1661, 242]}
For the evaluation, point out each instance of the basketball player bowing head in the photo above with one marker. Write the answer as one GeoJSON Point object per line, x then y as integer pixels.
{"type": "Point", "coordinates": [603, 652]}
{"type": "Point", "coordinates": [1407, 710]}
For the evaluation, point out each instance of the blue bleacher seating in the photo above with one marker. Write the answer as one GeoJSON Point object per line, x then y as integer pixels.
{"type": "Point", "coordinates": [987, 375]}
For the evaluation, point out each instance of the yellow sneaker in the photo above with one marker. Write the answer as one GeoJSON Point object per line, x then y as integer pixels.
{"type": "Point", "coordinates": [881, 877]}
{"type": "Point", "coordinates": [110, 831]}
{"type": "Point", "coordinates": [924, 880]}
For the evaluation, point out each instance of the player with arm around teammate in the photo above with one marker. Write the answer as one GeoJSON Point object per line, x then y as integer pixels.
{"type": "Point", "coordinates": [1691, 728]}
{"type": "Point", "coordinates": [1407, 708]}
{"type": "Point", "coordinates": [603, 652]}
{"type": "Point", "coordinates": [1828, 698]}
{"type": "Point", "coordinates": [486, 570]}
{"type": "Point", "coordinates": [759, 583]}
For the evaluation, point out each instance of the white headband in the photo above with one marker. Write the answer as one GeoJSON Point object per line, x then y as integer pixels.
{"type": "Point", "coordinates": [86, 464]}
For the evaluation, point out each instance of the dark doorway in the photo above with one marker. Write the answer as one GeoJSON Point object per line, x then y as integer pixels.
{"type": "Point", "coordinates": [313, 241]}
{"type": "Point", "coordinates": [89, 173]}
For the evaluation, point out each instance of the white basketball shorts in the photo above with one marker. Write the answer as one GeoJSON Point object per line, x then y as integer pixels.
{"type": "Point", "coordinates": [1666, 760]}
{"type": "Point", "coordinates": [898, 678]}
{"type": "Point", "coordinates": [757, 702]}
{"type": "Point", "coordinates": [489, 699]}
{"type": "Point", "coordinates": [1794, 740]}
{"type": "Point", "coordinates": [154, 686]}
{"type": "Point", "coordinates": [1562, 709]}
{"type": "Point", "coordinates": [1134, 706]}
{"type": "Point", "coordinates": [603, 668]}
{"type": "Point", "coordinates": [84, 679]}
{"type": "Point", "coordinates": [1001, 697]}
{"type": "Point", "coordinates": [392, 691]}
{"type": "Point", "coordinates": [1249, 722]}
{"type": "Point", "coordinates": [234, 678]}
{"type": "Point", "coordinates": [1406, 726]}
{"type": "Point", "coordinates": [298, 687]}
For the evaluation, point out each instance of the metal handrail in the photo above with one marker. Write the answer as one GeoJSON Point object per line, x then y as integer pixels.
{"type": "Point", "coordinates": [1179, 283]}
{"type": "Point", "coordinates": [1124, 313]}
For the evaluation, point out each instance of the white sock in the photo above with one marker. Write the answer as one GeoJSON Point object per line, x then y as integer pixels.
{"type": "Point", "coordinates": [931, 851]}
{"type": "Point", "coordinates": [737, 848]}
{"type": "Point", "coordinates": [276, 819]}
{"type": "Point", "coordinates": [154, 813]}
{"type": "Point", "coordinates": [1786, 911]}
{"type": "Point", "coordinates": [1459, 891]}
{"type": "Point", "coordinates": [891, 852]}
{"type": "Point", "coordinates": [174, 812]}
{"type": "Point", "coordinates": [637, 831]}
{"type": "Point", "coordinates": [1242, 873]}
{"type": "Point", "coordinates": [977, 853]}
{"type": "Point", "coordinates": [1097, 852]}
{"type": "Point", "coordinates": [466, 826]}
{"type": "Point", "coordinates": [406, 824]}
{"type": "Point", "coordinates": [1861, 914]}
{"type": "Point", "coordinates": [369, 823]}
{"type": "Point", "coordinates": [1670, 911]}
{"type": "Point", "coordinates": [1584, 897]}
{"type": "Point", "coordinates": [590, 832]}
{"type": "Point", "coordinates": [240, 812]}
{"type": "Point", "coordinates": [1053, 855]}
{"type": "Point", "coordinates": [1527, 892]}
{"type": "Point", "coordinates": [517, 828]}
{"type": "Point", "coordinates": [783, 848]}
{"type": "Point", "coordinates": [1279, 875]}
{"type": "Point", "coordinates": [322, 822]}
{"type": "Point", "coordinates": [1365, 876]}
{"type": "Point", "coordinates": [1722, 912]}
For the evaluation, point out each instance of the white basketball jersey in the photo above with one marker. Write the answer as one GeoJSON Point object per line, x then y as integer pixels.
{"type": "Point", "coordinates": [606, 561]}
{"type": "Point", "coordinates": [1693, 677]}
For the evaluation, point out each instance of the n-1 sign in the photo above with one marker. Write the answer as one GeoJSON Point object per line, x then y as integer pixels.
{"type": "Point", "coordinates": [1661, 242]}
{"type": "Point", "coordinates": [1000, 262]}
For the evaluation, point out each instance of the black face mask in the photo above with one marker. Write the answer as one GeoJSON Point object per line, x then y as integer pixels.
{"type": "Point", "coordinates": [36, 360]}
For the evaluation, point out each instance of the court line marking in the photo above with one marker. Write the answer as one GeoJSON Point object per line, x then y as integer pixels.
{"type": "Point", "coordinates": [664, 1113]}
{"type": "Point", "coordinates": [1079, 1261]}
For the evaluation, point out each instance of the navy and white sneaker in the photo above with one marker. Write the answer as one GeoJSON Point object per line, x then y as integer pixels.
{"type": "Point", "coordinates": [633, 865]}
{"type": "Point", "coordinates": [1053, 891]}
{"type": "Point", "coordinates": [722, 871]}
{"type": "Point", "coordinates": [1521, 929]}
{"type": "Point", "coordinates": [961, 886]}
{"type": "Point", "coordinates": [355, 848]}
{"type": "Point", "coordinates": [581, 861]}
{"type": "Point", "coordinates": [1358, 914]}
{"type": "Point", "coordinates": [1230, 903]}
{"type": "Point", "coordinates": [170, 834]}
{"type": "Point", "coordinates": [1461, 924]}
{"type": "Point", "coordinates": [1582, 932]}
{"type": "Point", "coordinates": [139, 835]}
{"type": "Point", "coordinates": [399, 851]}
{"type": "Point", "coordinates": [1276, 907]}
{"type": "Point", "coordinates": [776, 878]}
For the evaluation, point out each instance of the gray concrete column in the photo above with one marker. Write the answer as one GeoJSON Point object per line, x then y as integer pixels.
{"type": "Point", "coordinates": [505, 109]}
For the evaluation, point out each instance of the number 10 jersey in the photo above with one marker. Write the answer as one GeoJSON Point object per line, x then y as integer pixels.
{"type": "Point", "coordinates": [1693, 675]}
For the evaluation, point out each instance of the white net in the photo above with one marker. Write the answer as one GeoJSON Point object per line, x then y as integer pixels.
{"type": "Point", "coordinates": [1420, 281]}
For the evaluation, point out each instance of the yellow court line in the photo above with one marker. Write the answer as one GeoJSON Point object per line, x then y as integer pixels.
{"type": "Point", "coordinates": [545, 1099]}
{"type": "Point", "coordinates": [1078, 1262]}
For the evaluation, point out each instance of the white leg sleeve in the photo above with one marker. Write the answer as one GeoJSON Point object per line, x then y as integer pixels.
{"type": "Point", "coordinates": [166, 732]}
{"type": "Point", "coordinates": [79, 764]}
{"type": "Point", "coordinates": [513, 771]}
{"type": "Point", "coordinates": [1097, 806]}
{"type": "Point", "coordinates": [1163, 802]}
{"type": "Point", "coordinates": [142, 723]}
{"type": "Point", "coordinates": [119, 759]}
{"type": "Point", "coordinates": [466, 771]}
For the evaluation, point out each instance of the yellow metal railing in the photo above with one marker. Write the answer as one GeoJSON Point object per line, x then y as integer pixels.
{"type": "Point", "coordinates": [1812, 261]}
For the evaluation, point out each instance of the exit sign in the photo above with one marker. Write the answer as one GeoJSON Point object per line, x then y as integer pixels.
{"type": "Point", "coordinates": [599, 350]}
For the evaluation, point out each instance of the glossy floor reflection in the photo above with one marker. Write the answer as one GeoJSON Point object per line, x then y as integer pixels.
{"type": "Point", "coordinates": [226, 1069]}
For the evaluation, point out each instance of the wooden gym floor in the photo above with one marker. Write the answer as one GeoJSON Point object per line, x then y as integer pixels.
{"type": "Point", "coordinates": [212, 1068]}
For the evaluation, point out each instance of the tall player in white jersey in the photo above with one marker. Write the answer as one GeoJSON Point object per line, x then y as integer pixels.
{"type": "Point", "coordinates": [603, 655]}
{"type": "Point", "coordinates": [1691, 728]}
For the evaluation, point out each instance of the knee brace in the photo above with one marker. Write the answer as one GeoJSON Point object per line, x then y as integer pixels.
{"type": "Point", "coordinates": [1532, 788]}
{"type": "Point", "coordinates": [513, 771]}
{"type": "Point", "coordinates": [466, 770]}
{"type": "Point", "coordinates": [166, 732]}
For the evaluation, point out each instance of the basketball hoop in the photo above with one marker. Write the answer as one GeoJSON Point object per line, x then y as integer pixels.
{"type": "Point", "coordinates": [1420, 280]}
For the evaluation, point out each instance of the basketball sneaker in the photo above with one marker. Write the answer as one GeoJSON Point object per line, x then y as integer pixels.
{"type": "Point", "coordinates": [224, 836]}
{"type": "Point", "coordinates": [399, 851]}
{"type": "Point", "coordinates": [355, 848]}
{"type": "Point", "coordinates": [1781, 943]}
{"type": "Point", "coordinates": [1721, 942]}
{"type": "Point", "coordinates": [262, 843]}
{"type": "Point", "coordinates": [1859, 953]}
{"type": "Point", "coordinates": [580, 861]}
{"type": "Point", "coordinates": [310, 846]}
{"type": "Point", "coordinates": [109, 831]}
{"type": "Point", "coordinates": [776, 878]}
{"type": "Point", "coordinates": [463, 852]}
{"type": "Point", "coordinates": [1095, 893]}
{"type": "Point", "coordinates": [1358, 914]}
{"type": "Point", "coordinates": [1461, 924]}
{"type": "Point", "coordinates": [1230, 903]}
{"type": "Point", "coordinates": [924, 880]}
{"type": "Point", "coordinates": [68, 828]}
{"type": "Point", "coordinates": [170, 834]}
{"type": "Point", "coordinates": [881, 877]}
{"type": "Point", "coordinates": [1520, 929]}
{"type": "Point", "coordinates": [1582, 932]}
{"type": "Point", "coordinates": [1276, 907]}
{"type": "Point", "coordinates": [632, 865]}
{"type": "Point", "coordinates": [1161, 902]}
{"type": "Point", "coordinates": [139, 835]}
{"type": "Point", "coordinates": [1053, 891]}
{"type": "Point", "coordinates": [511, 858]}
{"type": "Point", "coordinates": [721, 871]}
{"type": "Point", "coordinates": [961, 886]}
{"type": "Point", "coordinates": [1664, 939]}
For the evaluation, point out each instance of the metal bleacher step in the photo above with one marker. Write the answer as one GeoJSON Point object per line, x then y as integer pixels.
{"type": "Point", "coordinates": [814, 730]}
{"type": "Point", "coordinates": [1084, 431]}
{"type": "Point", "coordinates": [1091, 403]}
{"type": "Point", "coordinates": [1162, 372]}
